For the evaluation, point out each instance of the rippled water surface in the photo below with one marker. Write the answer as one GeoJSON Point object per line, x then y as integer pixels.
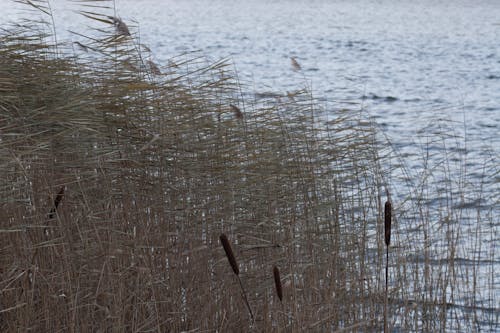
{"type": "Point", "coordinates": [416, 67]}
{"type": "Point", "coordinates": [407, 63]}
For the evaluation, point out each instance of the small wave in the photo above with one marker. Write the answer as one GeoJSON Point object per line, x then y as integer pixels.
{"type": "Point", "coordinates": [468, 205]}
{"type": "Point", "coordinates": [487, 125]}
{"type": "Point", "coordinates": [457, 260]}
{"type": "Point", "coordinates": [388, 99]}
{"type": "Point", "coordinates": [267, 94]}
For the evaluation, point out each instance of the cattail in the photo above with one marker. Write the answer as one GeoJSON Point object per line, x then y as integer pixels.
{"type": "Point", "coordinates": [387, 225]}
{"type": "Point", "coordinates": [277, 282]}
{"type": "Point", "coordinates": [295, 64]}
{"type": "Point", "coordinates": [236, 110]}
{"type": "Point", "coordinates": [229, 253]}
{"type": "Point", "coordinates": [388, 219]}
{"type": "Point", "coordinates": [234, 265]}
{"type": "Point", "coordinates": [57, 201]}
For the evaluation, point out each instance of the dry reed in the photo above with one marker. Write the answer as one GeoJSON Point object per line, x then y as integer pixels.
{"type": "Point", "coordinates": [154, 67]}
{"type": "Point", "coordinates": [295, 64]}
{"type": "Point", "coordinates": [236, 110]}
{"type": "Point", "coordinates": [159, 167]}
{"type": "Point", "coordinates": [121, 27]}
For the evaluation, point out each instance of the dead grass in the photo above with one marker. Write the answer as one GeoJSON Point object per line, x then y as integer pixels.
{"type": "Point", "coordinates": [156, 163]}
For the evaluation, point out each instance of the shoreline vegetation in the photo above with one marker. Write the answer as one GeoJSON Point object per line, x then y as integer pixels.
{"type": "Point", "coordinates": [126, 186]}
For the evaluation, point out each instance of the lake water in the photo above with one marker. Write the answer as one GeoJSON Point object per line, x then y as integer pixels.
{"type": "Point", "coordinates": [406, 63]}
{"type": "Point", "coordinates": [416, 68]}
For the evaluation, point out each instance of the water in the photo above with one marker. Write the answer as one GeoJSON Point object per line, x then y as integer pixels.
{"type": "Point", "coordinates": [422, 70]}
{"type": "Point", "coordinates": [407, 63]}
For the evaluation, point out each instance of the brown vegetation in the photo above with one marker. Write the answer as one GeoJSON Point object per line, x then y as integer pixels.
{"type": "Point", "coordinates": [153, 168]}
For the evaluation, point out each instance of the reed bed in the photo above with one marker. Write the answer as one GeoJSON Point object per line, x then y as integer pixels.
{"type": "Point", "coordinates": [119, 177]}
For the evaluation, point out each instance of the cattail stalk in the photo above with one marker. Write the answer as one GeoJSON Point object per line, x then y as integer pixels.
{"type": "Point", "coordinates": [277, 283]}
{"type": "Point", "coordinates": [387, 234]}
{"type": "Point", "coordinates": [234, 265]}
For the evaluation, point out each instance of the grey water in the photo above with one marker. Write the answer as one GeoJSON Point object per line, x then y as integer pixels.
{"type": "Point", "coordinates": [426, 72]}
{"type": "Point", "coordinates": [417, 68]}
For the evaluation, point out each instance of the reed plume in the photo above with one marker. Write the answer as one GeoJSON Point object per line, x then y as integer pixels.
{"type": "Point", "coordinates": [154, 68]}
{"type": "Point", "coordinates": [277, 283]}
{"type": "Point", "coordinates": [236, 110]}
{"type": "Point", "coordinates": [121, 27]}
{"type": "Point", "coordinates": [295, 64]}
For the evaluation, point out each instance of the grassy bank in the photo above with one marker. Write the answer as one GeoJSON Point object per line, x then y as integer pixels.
{"type": "Point", "coordinates": [119, 176]}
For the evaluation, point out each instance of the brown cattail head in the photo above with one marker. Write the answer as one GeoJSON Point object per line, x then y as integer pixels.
{"type": "Point", "coordinates": [277, 282]}
{"type": "Point", "coordinates": [229, 253]}
{"type": "Point", "coordinates": [387, 224]}
{"type": "Point", "coordinates": [57, 201]}
{"type": "Point", "coordinates": [59, 196]}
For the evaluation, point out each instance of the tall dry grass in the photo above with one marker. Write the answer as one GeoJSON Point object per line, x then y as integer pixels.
{"type": "Point", "coordinates": [157, 163]}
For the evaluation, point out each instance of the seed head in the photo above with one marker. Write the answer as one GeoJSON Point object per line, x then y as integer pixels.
{"type": "Point", "coordinates": [387, 224]}
{"type": "Point", "coordinates": [277, 282]}
{"type": "Point", "coordinates": [229, 253]}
